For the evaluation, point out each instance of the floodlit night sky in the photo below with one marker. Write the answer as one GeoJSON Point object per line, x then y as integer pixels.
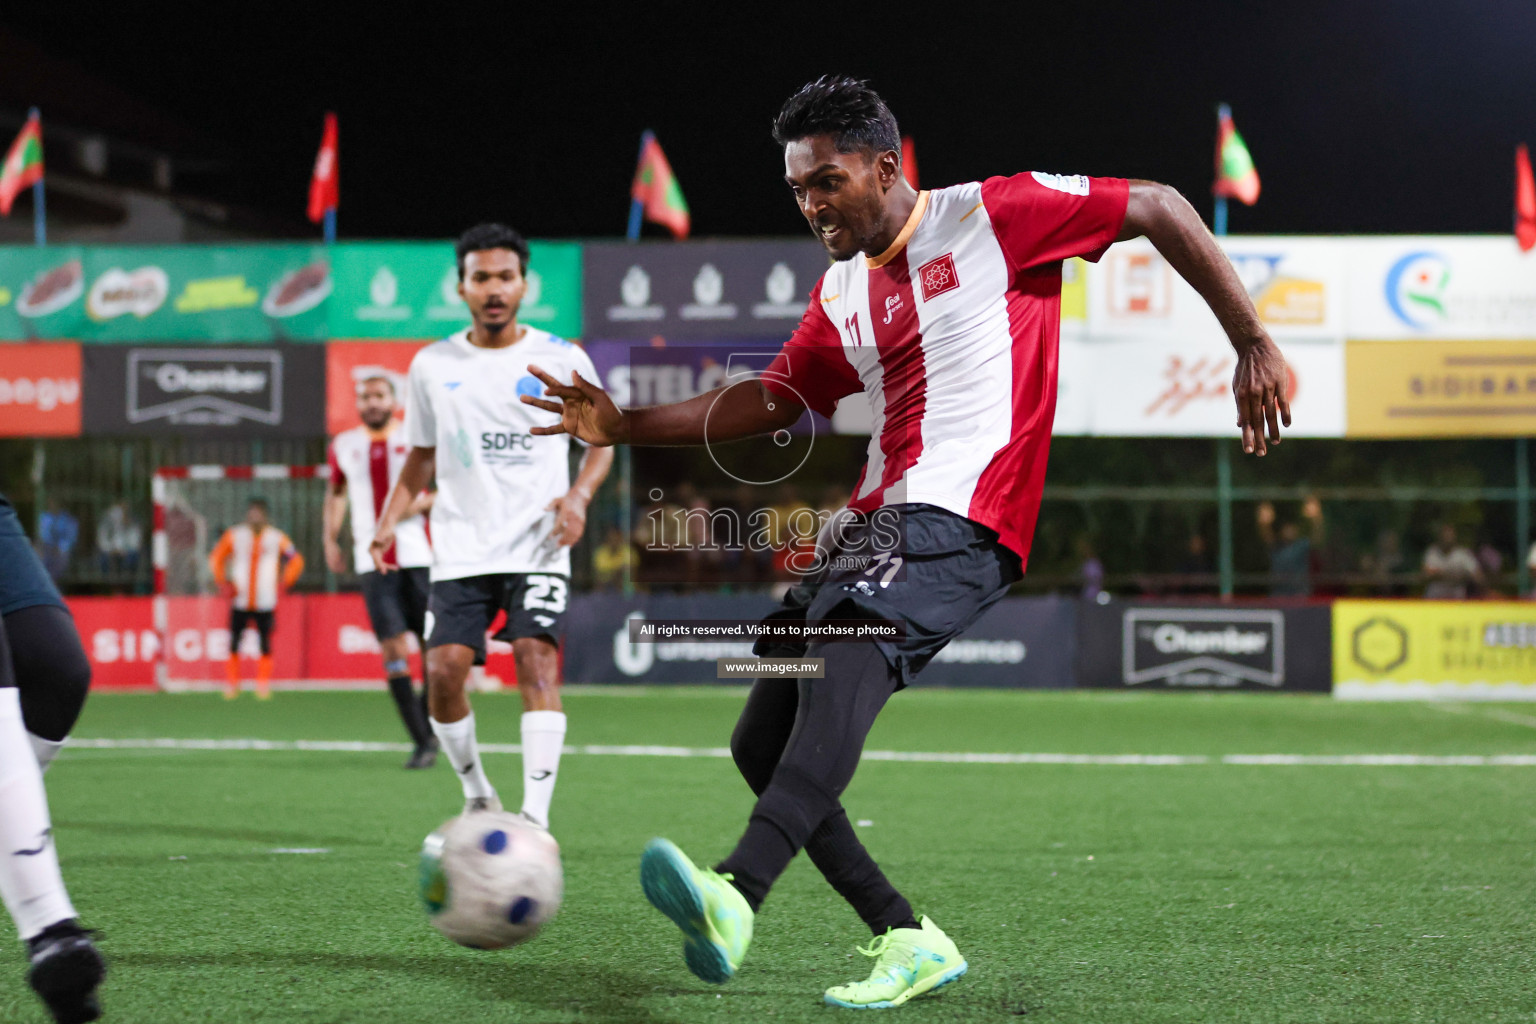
{"type": "Point", "coordinates": [1361, 115]}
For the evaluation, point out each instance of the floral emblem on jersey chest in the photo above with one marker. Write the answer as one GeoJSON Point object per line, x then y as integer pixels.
{"type": "Point", "coordinates": [938, 276]}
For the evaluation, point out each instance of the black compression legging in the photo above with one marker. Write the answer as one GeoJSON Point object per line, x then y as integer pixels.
{"type": "Point", "coordinates": [41, 655]}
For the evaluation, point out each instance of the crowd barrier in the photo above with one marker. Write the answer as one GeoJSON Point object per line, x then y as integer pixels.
{"type": "Point", "coordinates": [1359, 650]}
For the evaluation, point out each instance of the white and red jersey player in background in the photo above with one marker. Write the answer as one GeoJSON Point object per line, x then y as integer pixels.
{"type": "Point", "coordinates": [941, 312]}
{"type": "Point", "coordinates": [364, 463]}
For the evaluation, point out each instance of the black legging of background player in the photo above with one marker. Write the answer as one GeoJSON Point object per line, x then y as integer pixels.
{"type": "Point", "coordinates": [797, 744]}
{"type": "Point", "coordinates": [41, 655]}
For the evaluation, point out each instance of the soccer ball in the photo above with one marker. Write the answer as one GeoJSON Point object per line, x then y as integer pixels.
{"type": "Point", "coordinates": [490, 880]}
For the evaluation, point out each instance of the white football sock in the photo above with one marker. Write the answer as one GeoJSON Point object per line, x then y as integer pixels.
{"type": "Point", "coordinates": [30, 882]}
{"type": "Point", "coordinates": [458, 740]}
{"type": "Point", "coordinates": [46, 750]}
{"type": "Point", "coordinates": [543, 737]}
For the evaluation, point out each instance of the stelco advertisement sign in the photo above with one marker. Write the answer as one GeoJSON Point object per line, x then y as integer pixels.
{"type": "Point", "coordinates": [1168, 647]}
{"type": "Point", "coordinates": [239, 391]}
{"type": "Point", "coordinates": [699, 290]}
{"type": "Point", "coordinates": [1427, 650]}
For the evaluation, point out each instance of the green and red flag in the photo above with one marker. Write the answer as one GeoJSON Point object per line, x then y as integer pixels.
{"type": "Point", "coordinates": [1525, 200]}
{"type": "Point", "coordinates": [655, 194]}
{"type": "Point", "coordinates": [1235, 173]}
{"type": "Point", "coordinates": [23, 166]}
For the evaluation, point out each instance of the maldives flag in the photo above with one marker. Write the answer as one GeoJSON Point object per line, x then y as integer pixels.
{"type": "Point", "coordinates": [325, 184]}
{"type": "Point", "coordinates": [1235, 173]}
{"type": "Point", "coordinates": [1525, 200]}
{"type": "Point", "coordinates": [909, 160]}
{"type": "Point", "coordinates": [656, 190]}
{"type": "Point", "coordinates": [23, 164]}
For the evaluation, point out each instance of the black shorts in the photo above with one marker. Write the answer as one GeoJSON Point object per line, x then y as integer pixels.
{"type": "Point", "coordinates": [239, 618]}
{"type": "Point", "coordinates": [462, 610]}
{"type": "Point", "coordinates": [24, 583]}
{"type": "Point", "coordinates": [397, 601]}
{"type": "Point", "coordinates": [950, 571]}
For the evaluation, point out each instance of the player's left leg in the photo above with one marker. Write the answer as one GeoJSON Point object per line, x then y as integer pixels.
{"type": "Point", "coordinates": [264, 664]}
{"type": "Point", "coordinates": [535, 604]}
{"type": "Point", "coordinates": [52, 675]}
{"type": "Point", "coordinates": [238, 620]}
{"type": "Point", "coordinates": [65, 965]}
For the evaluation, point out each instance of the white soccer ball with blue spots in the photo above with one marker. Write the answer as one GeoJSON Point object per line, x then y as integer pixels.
{"type": "Point", "coordinates": [490, 880]}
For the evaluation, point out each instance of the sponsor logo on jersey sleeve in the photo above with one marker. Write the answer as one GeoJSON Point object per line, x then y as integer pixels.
{"type": "Point", "coordinates": [1071, 184]}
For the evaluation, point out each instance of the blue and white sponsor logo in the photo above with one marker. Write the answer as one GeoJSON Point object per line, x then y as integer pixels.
{"type": "Point", "coordinates": [531, 386]}
{"type": "Point", "coordinates": [1415, 289]}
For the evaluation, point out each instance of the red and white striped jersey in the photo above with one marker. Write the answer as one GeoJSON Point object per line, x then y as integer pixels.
{"type": "Point", "coordinates": [951, 336]}
{"type": "Point", "coordinates": [370, 464]}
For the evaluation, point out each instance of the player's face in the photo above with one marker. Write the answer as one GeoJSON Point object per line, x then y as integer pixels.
{"type": "Point", "coordinates": [842, 195]}
{"type": "Point", "coordinates": [256, 517]}
{"type": "Point", "coordinates": [492, 287]}
{"type": "Point", "coordinates": [375, 403]}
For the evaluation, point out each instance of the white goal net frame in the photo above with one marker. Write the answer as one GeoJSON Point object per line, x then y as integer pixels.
{"type": "Point", "coordinates": [185, 531]}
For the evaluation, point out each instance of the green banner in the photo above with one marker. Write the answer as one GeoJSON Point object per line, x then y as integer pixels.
{"type": "Point", "coordinates": [162, 293]}
{"type": "Point", "coordinates": [262, 293]}
{"type": "Point", "coordinates": [410, 290]}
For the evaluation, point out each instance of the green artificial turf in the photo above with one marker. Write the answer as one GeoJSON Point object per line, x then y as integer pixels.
{"type": "Point", "coordinates": [1079, 893]}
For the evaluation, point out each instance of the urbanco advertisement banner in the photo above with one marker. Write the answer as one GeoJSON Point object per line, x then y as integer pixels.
{"type": "Point", "coordinates": [699, 290]}
{"type": "Point", "coordinates": [245, 293]}
{"type": "Point", "coordinates": [1434, 650]}
{"type": "Point", "coordinates": [1265, 647]}
{"type": "Point", "coordinates": [1171, 387]}
{"type": "Point", "coordinates": [1440, 287]}
{"type": "Point", "coordinates": [40, 390]}
{"type": "Point", "coordinates": [236, 391]}
{"type": "Point", "coordinates": [1297, 286]}
{"type": "Point", "coordinates": [1441, 388]}
{"type": "Point", "coordinates": [411, 290]}
{"type": "Point", "coordinates": [1019, 642]}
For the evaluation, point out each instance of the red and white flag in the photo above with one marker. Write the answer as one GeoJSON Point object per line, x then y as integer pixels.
{"type": "Point", "coordinates": [324, 185]}
{"type": "Point", "coordinates": [1525, 200]}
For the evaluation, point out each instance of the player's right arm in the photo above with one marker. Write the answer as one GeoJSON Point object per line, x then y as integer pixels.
{"type": "Point", "coordinates": [219, 556]}
{"type": "Point", "coordinates": [334, 513]}
{"type": "Point", "coordinates": [810, 370]}
{"type": "Point", "coordinates": [418, 471]}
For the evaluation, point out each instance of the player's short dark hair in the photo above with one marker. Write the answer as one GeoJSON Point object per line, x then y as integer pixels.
{"type": "Point", "coordinates": [490, 236]}
{"type": "Point", "coordinates": [846, 109]}
{"type": "Point", "coordinates": [260, 503]}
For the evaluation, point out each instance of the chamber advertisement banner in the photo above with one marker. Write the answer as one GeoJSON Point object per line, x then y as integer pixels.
{"type": "Point", "coordinates": [1434, 650]}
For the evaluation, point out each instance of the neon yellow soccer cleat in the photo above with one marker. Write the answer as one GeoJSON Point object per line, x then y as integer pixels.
{"type": "Point", "coordinates": [909, 962]}
{"type": "Point", "coordinates": [714, 917]}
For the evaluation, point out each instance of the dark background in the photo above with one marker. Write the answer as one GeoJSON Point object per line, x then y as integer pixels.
{"type": "Point", "coordinates": [1362, 116]}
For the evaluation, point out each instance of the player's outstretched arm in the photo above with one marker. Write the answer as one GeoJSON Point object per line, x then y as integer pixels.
{"type": "Point", "coordinates": [334, 512]}
{"type": "Point", "coordinates": [1177, 232]}
{"type": "Point", "coordinates": [732, 411]}
{"type": "Point", "coordinates": [420, 466]}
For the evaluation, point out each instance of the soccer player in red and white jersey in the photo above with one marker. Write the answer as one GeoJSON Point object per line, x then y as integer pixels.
{"type": "Point", "coordinates": [365, 461]}
{"type": "Point", "coordinates": [942, 312]}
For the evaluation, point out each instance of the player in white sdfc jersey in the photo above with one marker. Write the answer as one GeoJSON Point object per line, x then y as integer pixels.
{"type": "Point", "coordinates": [365, 462]}
{"type": "Point", "coordinates": [505, 516]}
{"type": "Point", "coordinates": [941, 312]}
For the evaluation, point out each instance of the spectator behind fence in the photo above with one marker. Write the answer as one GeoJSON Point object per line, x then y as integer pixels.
{"type": "Point", "coordinates": [1450, 568]}
{"type": "Point", "coordinates": [1385, 564]}
{"type": "Point", "coordinates": [610, 560]}
{"type": "Point", "coordinates": [119, 539]}
{"type": "Point", "coordinates": [1090, 570]}
{"type": "Point", "coordinates": [1530, 563]}
{"type": "Point", "coordinates": [58, 531]}
{"type": "Point", "coordinates": [1194, 567]}
{"type": "Point", "coordinates": [1290, 553]}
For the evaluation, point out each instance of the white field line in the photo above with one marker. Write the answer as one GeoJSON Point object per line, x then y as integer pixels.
{"type": "Point", "coordinates": [1140, 760]}
{"type": "Point", "coordinates": [1497, 714]}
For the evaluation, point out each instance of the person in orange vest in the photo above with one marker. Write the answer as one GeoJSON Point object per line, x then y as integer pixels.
{"type": "Point", "coordinates": [255, 562]}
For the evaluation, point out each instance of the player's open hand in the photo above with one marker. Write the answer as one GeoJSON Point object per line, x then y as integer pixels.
{"type": "Point", "coordinates": [570, 518]}
{"type": "Point", "coordinates": [586, 411]}
{"type": "Point", "coordinates": [1259, 384]}
{"type": "Point", "coordinates": [383, 540]}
